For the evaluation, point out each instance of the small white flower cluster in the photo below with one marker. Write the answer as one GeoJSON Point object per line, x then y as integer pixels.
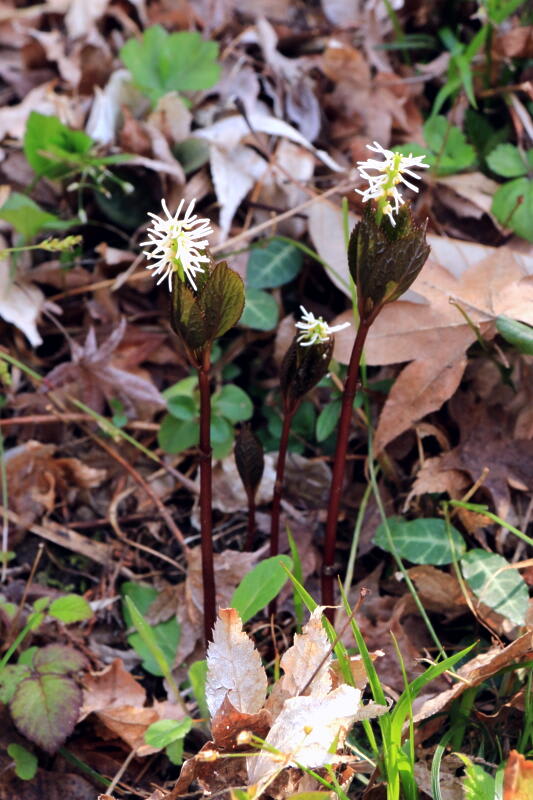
{"type": "Point", "coordinates": [315, 329]}
{"type": "Point", "coordinates": [384, 185]}
{"type": "Point", "coordinates": [177, 244]}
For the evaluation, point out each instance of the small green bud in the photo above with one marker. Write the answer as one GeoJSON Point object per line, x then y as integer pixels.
{"type": "Point", "coordinates": [385, 259]}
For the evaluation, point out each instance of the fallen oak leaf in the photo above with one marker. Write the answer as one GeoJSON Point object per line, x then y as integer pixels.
{"type": "Point", "coordinates": [234, 668]}
{"type": "Point", "coordinates": [91, 376]}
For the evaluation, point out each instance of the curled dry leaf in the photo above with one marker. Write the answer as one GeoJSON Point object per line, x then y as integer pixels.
{"type": "Point", "coordinates": [234, 668]}
{"type": "Point", "coordinates": [308, 658]}
{"type": "Point", "coordinates": [305, 730]}
{"type": "Point", "coordinates": [36, 478]}
{"type": "Point", "coordinates": [473, 673]}
{"type": "Point", "coordinates": [118, 701]}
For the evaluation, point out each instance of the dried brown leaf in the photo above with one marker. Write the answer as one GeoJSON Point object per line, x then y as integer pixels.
{"type": "Point", "coordinates": [473, 673]}
{"type": "Point", "coordinates": [234, 668]}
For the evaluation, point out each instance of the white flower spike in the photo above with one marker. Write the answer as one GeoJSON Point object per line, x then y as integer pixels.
{"type": "Point", "coordinates": [314, 329]}
{"type": "Point", "coordinates": [383, 187]}
{"type": "Point", "coordinates": [177, 244]}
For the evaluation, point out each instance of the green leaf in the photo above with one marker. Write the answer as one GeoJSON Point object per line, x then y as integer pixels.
{"type": "Point", "coordinates": [516, 333]}
{"type": "Point", "coordinates": [448, 143]}
{"type": "Point", "coordinates": [165, 634]}
{"type": "Point", "coordinates": [51, 148]}
{"type": "Point", "coordinates": [186, 387]}
{"type": "Point", "coordinates": [198, 676]}
{"type": "Point", "coordinates": [71, 608]}
{"type": "Point", "coordinates": [177, 435]}
{"type": "Point", "coordinates": [223, 448]}
{"type": "Point", "coordinates": [273, 265]}
{"type": "Point", "coordinates": [512, 205]}
{"type": "Point", "coordinates": [45, 709]}
{"type": "Point", "coordinates": [10, 677]}
{"type": "Point", "coordinates": [221, 300]}
{"type": "Point", "coordinates": [25, 762]}
{"type": "Point", "coordinates": [28, 218]}
{"type": "Point", "coordinates": [58, 658]}
{"type": "Point", "coordinates": [261, 311]}
{"type": "Point", "coordinates": [165, 731]}
{"type": "Point", "coordinates": [183, 407]}
{"type": "Point", "coordinates": [504, 591]}
{"type": "Point", "coordinates": [421, 541]}
{"type": "Point", "coordinates": [221, 430]}
{"type": "Point", "coordinates": [41, 603]}
{"type": "Point", "coordinates": [233, 403]}
{"type": "Point", "coordinates": [327, 419]}
{"type": "Point", "coordinates": [261, 585]}
{"type": "Point", "coordinates": [161, 62]}
{"type": "Point", "coordinates": [506, 160]}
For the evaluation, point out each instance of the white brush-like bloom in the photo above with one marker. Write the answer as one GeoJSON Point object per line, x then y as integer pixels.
{"type": "Point", "coordinates": [383, 186]}
{"type": "Point", "coordinates": [315, 329]}
{"type": "Point", "coordinates": [177, 244]}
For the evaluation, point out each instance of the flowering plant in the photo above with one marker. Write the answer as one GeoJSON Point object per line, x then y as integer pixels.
{"type": "Point", "coordinates": [383, 187]}
{"type": "Point", "coordinates": [179, 245]}
{"type": "Point", "coordinates": [315, 329]}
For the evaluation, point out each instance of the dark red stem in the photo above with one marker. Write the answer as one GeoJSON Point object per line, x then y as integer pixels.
{"type": "Point", "coordinates": [278, 488]}
{"type": "Point", "coordinates": [208, 571]}
{"type": "Point", "coordinates": [350, 388]}
{"type": "Point", "coordinates": [251, 522]}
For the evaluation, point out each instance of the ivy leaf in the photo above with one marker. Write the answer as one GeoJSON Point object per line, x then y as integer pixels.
{"type": "Point", "coordinates": [273, 265]}
{"type": "Point", "coordinates": [421, 541]}
{"type": "Point", "coordinates": [506, 160]}
{"type": "Point", "coordinates": [51, 148]}
{"type": "Point", "coordinates": [161, 62]}
{"type": "Point", "coordinates": [498, 587]}
{"type": "Point", "coordinates": [260, 312]}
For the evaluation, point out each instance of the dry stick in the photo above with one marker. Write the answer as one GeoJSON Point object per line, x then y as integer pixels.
{"type": "Point", "coordinates": [208, 571]}
{"type": "Point", "coordinates": [341, 449]}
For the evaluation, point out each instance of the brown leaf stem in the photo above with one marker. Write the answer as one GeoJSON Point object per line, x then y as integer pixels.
{"type": "Point", "coordinates": [341, 449]}
{"type": "Point", "coordinates": [208, 571]}
{"type": "Point", "coordinates": [278, 488]}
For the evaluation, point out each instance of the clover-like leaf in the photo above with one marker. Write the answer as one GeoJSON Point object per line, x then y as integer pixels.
{"type": "Point", "coordinates": [161, 62]}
